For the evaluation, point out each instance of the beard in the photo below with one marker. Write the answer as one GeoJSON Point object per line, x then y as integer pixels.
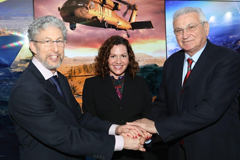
{"type": "Point", "coordinates": [46, 64]}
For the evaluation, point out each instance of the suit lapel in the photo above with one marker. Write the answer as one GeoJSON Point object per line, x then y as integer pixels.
{"type": "Point", "coordinates": [53, 91]}
{"type": "Point", "coordinates": [49, 87]}
{"type": "Point", "coordinates": [129, 87]}
{"type": "Point", "coordinates": [64, 87]}
{"type": "Point", "coordinates": [178, 69]}
{"type": "Point", "coordinates": [199, 66]}
{"type": "Point", "coordinates": [109, 89]}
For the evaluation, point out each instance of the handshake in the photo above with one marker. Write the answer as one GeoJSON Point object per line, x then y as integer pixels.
{"type": "Point", "coordinates": [136, 133]}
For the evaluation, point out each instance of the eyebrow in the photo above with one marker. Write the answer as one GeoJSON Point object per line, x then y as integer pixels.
{"type": "Point", "coordinates": [51, 38]}
{"type": "Point", "coordinates": [186, 25]}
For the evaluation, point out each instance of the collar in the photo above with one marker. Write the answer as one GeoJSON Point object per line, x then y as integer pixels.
{"type": "Point", "coordinates": [119, 78]}
{"type": "Point", "coordinates": [44, 71]}
{"type": "Point", "coordinates": [196, 56]}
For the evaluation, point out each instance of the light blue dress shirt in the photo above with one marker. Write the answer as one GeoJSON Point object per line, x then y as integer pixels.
{"type": "Point", "coordinates": [195, 58]}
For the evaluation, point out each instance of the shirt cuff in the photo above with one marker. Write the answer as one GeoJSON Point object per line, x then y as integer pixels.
{"type": "Point", "coordinates": [112, 129]}
{"type": "Point", "coordinates": [148, 141]}
{"type": "Point", "coordinates": [119, 142]}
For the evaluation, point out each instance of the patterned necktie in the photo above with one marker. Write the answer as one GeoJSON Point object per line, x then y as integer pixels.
{"type": "Point", "coordinates": [55, 81]}
{"type": "Point", "coordinates": [189, 69]}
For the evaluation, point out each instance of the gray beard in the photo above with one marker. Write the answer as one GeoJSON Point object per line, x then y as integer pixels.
{"type": "Point", "coordinates": [47, 65]}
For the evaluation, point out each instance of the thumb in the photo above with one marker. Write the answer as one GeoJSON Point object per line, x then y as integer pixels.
{"type": "Point", "coordinates": [130, 123]}
{"type": "Point", "coordinates": [125, 130]}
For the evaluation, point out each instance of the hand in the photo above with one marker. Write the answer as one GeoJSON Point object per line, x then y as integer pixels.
{"type": "Point", "coordinates": [146, 124]}
{"type": "Point", "coordinates": [133, 144]}
{"type": "Point", "coordinates": [132, 131]}
{"type": "Point", "coordinates": [146, 138]}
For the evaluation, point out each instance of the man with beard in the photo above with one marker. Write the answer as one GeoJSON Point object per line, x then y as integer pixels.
{"type": "Point", "coordinates": [48, 120]}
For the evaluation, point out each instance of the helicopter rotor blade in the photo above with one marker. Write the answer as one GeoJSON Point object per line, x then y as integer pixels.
{"type": "Point", "coordinates": [124, 2]}
{"type": "Point", "coordinates": [130, 6]}
{"type": "Point", "coordinates": [125, 13]}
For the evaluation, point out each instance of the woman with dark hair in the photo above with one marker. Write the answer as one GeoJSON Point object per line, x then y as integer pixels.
{"type": "Point", "coordinates": [116, 93]}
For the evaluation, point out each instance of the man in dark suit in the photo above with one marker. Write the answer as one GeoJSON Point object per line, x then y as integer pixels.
{"type": "Point", "coordinates": [197, 115]}
{"type": "Point", "coordinates": [48, 120]}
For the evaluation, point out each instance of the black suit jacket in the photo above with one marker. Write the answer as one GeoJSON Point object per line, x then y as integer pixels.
{"type": "Point", "coordinates": [100, 99]}
{"type": "Point", "coordinates": [205, 115]}
{"type": "Point", "coordinates": [50, 127]}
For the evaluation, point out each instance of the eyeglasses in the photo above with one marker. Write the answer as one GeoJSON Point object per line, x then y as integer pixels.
{"type": "Point", "coordinates": [190, 28]}
{"type": "Point", "coordinates": [49, 43]}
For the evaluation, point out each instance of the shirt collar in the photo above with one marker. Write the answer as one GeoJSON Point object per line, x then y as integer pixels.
{"type": "Point", "coordinates": [44, 71]}
{"type": "Point", "coordinates": [196, 56]}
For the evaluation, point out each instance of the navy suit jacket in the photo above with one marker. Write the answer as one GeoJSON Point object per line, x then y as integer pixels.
{"type": "Point", "coordinates": [205, 115]}
{"type": "Point", "coordinates": [50, 127]}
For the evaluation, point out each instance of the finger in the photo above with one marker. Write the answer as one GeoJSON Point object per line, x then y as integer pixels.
{"type": "Point", "coordinates": [135, 134]}
{"type": "Point", "coordinates": [139, 120]}
{"type": "Point", "coordinates": [142, 149]}
{"type": "Point", "coordinates": [134, 124]}
{"type": "Point", "coordinates": [126, 135]}
{"type": "Point", "coordinates": [143, 120]}
{"type": "Point", "coordinates": [123, 128]}
{"type": "Point", "coordinates": [146, 126]}
{"type": "Point", "coordinates": [149, 135]}
{"type": "Point", "coordinates": [141, 127]}
{"type": "Point", "coordinates": [138, 131]}
{"type": "Point", "coordinates": [145, 133]}
{"type": "Point", "coordinates": [142, 140]}
{"type": "Point", "coordinates": [126, 128]}
{"type": "Point", "coordinates": [130, 135]}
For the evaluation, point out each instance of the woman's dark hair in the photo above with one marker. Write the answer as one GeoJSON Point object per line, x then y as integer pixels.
{"type": "Point", "coordinates": [101, 60]}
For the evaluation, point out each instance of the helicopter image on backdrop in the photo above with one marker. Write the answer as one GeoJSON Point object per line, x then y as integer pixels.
{"type": "Point", "coordinates": [101, 13]}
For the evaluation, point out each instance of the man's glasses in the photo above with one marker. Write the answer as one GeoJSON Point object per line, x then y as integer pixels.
{"type": "Point", "coordinates": [49, 43]}
{"type": "Point", "coordinates": [190, 28]}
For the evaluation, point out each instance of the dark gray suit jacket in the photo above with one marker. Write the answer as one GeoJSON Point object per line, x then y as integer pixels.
{"type": "Point", "coordinates": [52, 128]}
{"type": "Point", "coordinates": [205, 115]}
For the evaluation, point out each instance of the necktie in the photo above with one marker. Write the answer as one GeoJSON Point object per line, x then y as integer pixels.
{"type": "Point", "coordinates": [55, 81]}
{"type": "Point", "coordinates": [189, 69]}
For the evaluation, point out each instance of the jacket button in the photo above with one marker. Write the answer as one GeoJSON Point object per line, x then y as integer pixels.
{"type": "Point", "coordinates": [122, 122]}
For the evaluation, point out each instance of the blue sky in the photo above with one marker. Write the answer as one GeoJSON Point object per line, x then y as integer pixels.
{"type": "Point", "coordinates": [223, 17]}
{"type": "Point", "coordinates": [18, 8]}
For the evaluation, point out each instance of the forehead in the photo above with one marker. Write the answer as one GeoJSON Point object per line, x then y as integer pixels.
{"type": "Point", "coordinates": [50, 32]}
{"type": "Point", "coordinates": [186, 19]}
{"type": "Point", "coordinates": [120, 48]}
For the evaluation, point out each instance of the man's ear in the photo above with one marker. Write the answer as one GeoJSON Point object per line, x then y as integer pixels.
{"type": "Point", "coordinates": [32, 47]}
{"type": "Point", "coordinates": [206, 27]}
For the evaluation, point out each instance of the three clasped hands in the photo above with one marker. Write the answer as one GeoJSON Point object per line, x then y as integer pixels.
{"type": "Point", "coordinates": [140, 131]}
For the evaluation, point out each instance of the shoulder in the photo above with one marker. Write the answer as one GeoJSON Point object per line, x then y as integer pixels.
{"type": "Point", "coordinates": [29, 78]}
{"type": "Point", "coordinates": [93, 79]}
{"type": "Point", "coordinates": [139, 78]}
{"type": "Point", "coordinates": [60, 75]}
{"type": "Point", "coordinates": [174, 57]}
{"type": "Point", "coordinates": [223, 52]}
{"type": "Point", "coordinates": [220, 49]}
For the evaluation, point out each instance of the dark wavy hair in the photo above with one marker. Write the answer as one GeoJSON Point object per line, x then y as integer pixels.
{"type": "Point", "coordinates": [101, 60]}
